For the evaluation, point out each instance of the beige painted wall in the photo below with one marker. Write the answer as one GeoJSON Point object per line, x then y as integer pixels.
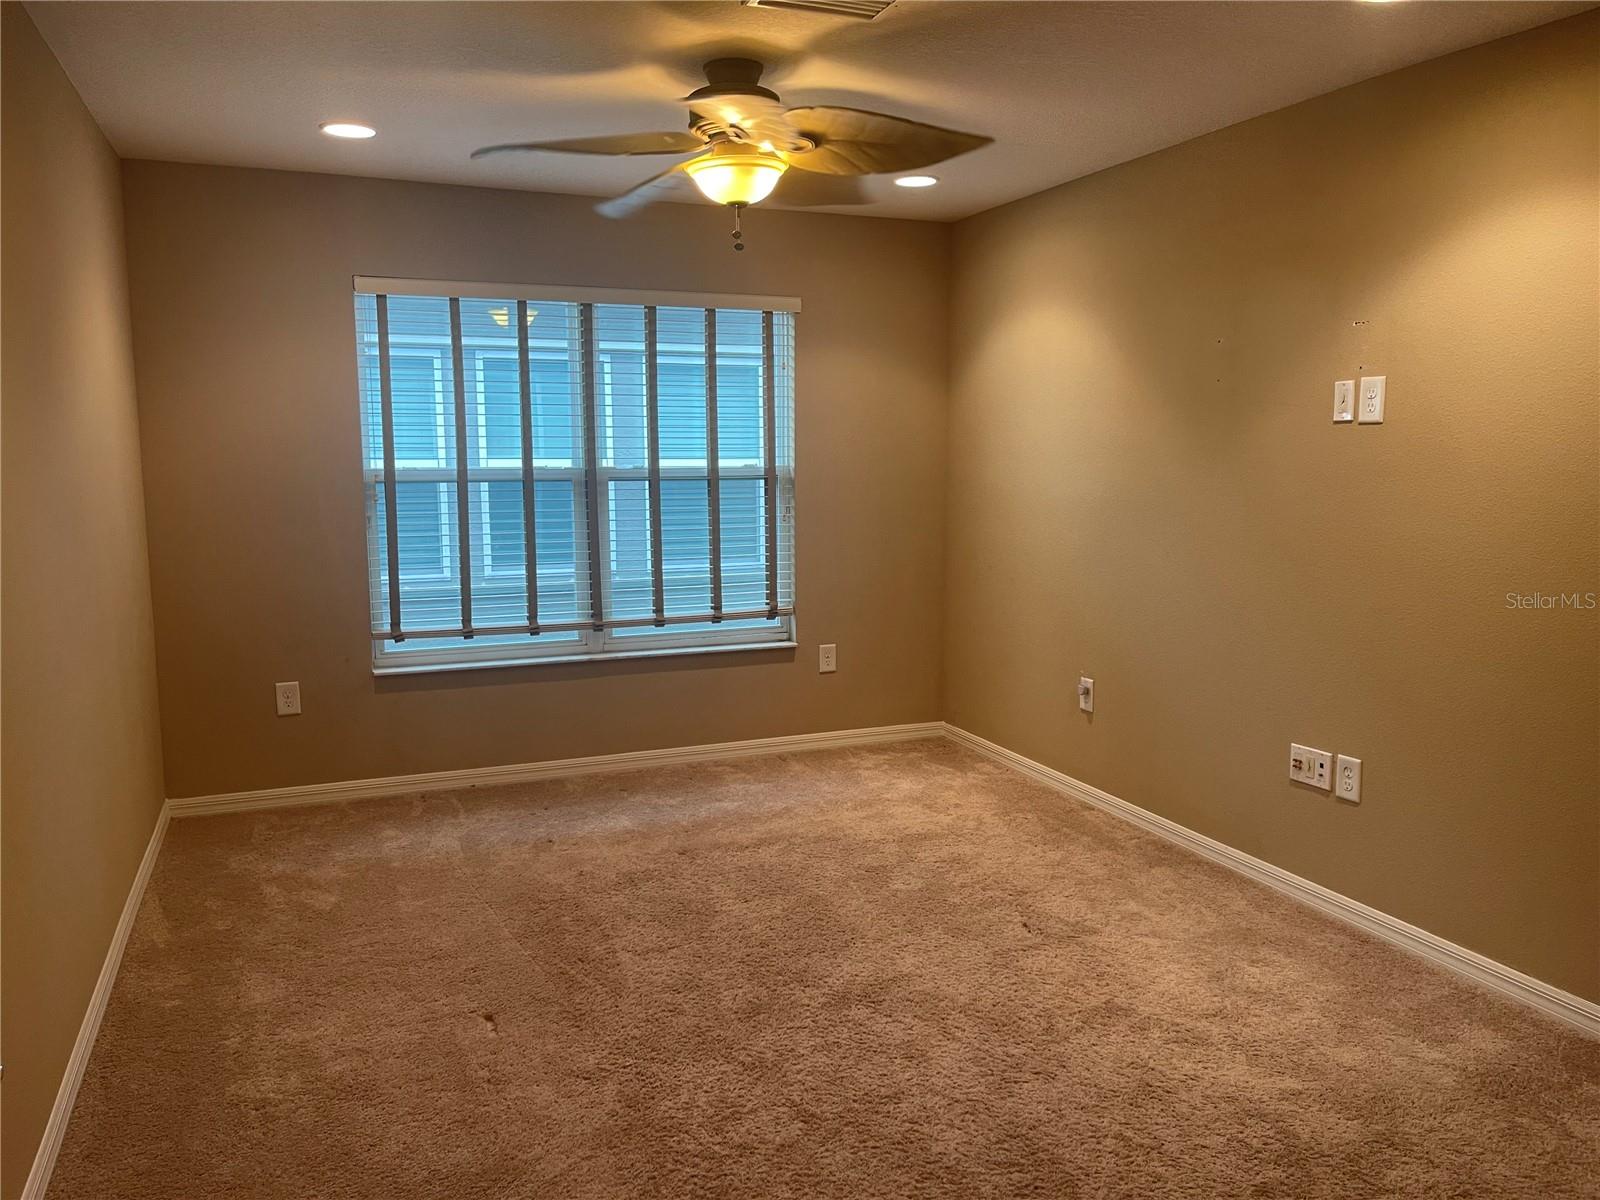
{"type": "Point", "coordinates": [81, 783]}
{"type": "Point", "coordinates": [1146, 487]}
{"type": "Point", "coordinates": [244, 343]}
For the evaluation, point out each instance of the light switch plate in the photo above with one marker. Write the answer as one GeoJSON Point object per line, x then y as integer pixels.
{"type": "Point", "coordinates": [1347, 779]}
{"type": "Point", "coordinates": [1310, 766]}
{"type": "Point", "coordinates": [1344, 401]}
{"type": "Point", "coordinates": [827, 659]}
{"type": "Point", "coordinates": [288, 698]}
{"type": "Point", "coordinates": [1085, 694]}
{"type": "Point", "coordinates": [1370, 398]}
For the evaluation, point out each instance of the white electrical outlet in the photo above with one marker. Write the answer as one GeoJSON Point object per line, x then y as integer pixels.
{"type": "Point", "coordinates": [1085, 694]}
{"type": "Point", "coordinates": [1347, 779]}
{"type": "Point", "coordinates": [1310, 766]}
{"type": "Point", "coordinates": [827, 659]}
{"type": "Point", "coordinates": [1344, 401]}
{"type": "Point", "coordinates": [1372, 394]}
{"type": "Point", "coordinates": [288, 698]}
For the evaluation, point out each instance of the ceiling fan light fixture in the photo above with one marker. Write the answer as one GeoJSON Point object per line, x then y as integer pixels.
{"type": "Point", "coordinates": [734, 173]}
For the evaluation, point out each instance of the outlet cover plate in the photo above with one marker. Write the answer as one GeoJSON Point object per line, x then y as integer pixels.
{"type": "Point", "coordinates": [1347, 779]}
{"type": "Point", "coordinates": [1370, 396]}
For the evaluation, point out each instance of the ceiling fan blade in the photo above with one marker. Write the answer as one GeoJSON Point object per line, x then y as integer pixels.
{"type": "Point", "coordinates": [621, 143]}
{"type": "Point", "coordinates": [853, 141]}
{"type": "Point", "coordinates": [803, 189]}
{"type": "Point", "coordinates": [655, 188]}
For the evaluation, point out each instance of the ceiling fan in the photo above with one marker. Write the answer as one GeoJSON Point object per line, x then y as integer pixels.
{"type": "Point", "coordinates": [744, 142]}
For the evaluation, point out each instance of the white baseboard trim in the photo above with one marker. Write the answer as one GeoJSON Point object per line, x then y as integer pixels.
{"type": "Point", "coordinates": [1581, 1014]}
{"type": "Point", "coordinates": [44, 1160]}
{"type": "Point", "coordinates": [397, 785]}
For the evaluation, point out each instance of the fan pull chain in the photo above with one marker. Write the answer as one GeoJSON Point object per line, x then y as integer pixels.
{"type": "Point", "coordinates": [738, 232]}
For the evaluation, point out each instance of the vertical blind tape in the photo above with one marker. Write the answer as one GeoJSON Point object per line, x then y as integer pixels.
{"type": "Point", "coordinates": [463, 488]}
{"type": "Point", "coordinates": [391, 518]}
{"type": "Point", "coordinates": [769, 449]}
{"type": "Point", "coordinates": [652, 427]}
{"type": "Point", "coordinates": [591, 459]}
{"type": "Point", "coordinates": [530, 539]}
{"type": "Point", "coordinates": [713, 466]}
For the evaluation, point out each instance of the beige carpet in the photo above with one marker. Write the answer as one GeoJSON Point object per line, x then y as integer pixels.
{"type": "Point", "coordinates": [901, 971]}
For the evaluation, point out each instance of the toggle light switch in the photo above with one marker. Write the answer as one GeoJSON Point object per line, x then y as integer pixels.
{"type": "Point", "coordinates": [1344, 401]}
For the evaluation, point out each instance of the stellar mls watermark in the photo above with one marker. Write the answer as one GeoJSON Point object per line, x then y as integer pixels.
{"type": "Point", "coordinates": [1568, 600]}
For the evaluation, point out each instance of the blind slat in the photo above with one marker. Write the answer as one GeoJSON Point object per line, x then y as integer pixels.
{"type": "Point", "coordinates": [579, 626]}
{"type": "Point", "coordinates": [368, 284]}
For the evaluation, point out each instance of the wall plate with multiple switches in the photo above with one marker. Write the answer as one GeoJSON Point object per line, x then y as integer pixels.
{"type": "Point", "coordinates": [1309, 766]}
{"type": "Point", "coordinates": [1347, 779]}
{"type": "Point", "coordinates": [1344, 401]}
{"type": "Point", "coordinates": [1085, 694]}
{"type": "Point", "coordinates": [1372, 389]}
{"type": "Point", "coordinates": [827, 659]}
{"type": "Point", "coordinates": [288, 698]}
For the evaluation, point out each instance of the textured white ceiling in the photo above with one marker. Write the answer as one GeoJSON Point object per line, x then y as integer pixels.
{"type": "Point", "coordinates": [1063, 88]}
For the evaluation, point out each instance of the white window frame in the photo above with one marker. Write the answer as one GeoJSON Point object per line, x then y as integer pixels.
{"type": "Point", "coordinates": [587, 643]}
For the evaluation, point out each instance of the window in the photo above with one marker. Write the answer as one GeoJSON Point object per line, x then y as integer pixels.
{"type": "Point", "coordinates": [562, 473]}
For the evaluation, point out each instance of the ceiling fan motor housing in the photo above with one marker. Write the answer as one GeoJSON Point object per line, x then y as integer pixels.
{"type": "Point", "coordinates": [734, 74]}
{"type": "Point", "coordinates": [726, 79]}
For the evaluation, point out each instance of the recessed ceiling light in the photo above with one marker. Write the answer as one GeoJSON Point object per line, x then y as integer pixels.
{"type": "Point", "coordinates": [915, 181]}
{"type": "Point", "coordinates": [347, 129]}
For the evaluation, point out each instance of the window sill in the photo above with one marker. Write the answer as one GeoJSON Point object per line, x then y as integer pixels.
{"type": "Point", "coordinates": [495, 664]}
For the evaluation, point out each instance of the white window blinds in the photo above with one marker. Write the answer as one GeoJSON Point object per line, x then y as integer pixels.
{"type": "Point", "coordinates": [559, 474]}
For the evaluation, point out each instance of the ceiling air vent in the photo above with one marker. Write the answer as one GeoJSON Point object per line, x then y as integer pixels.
{"type": "Point", "coordinates": [862, 10]}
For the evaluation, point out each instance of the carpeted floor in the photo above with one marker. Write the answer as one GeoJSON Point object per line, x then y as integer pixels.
{"type": "Point", "coordinates": [900, 971]}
